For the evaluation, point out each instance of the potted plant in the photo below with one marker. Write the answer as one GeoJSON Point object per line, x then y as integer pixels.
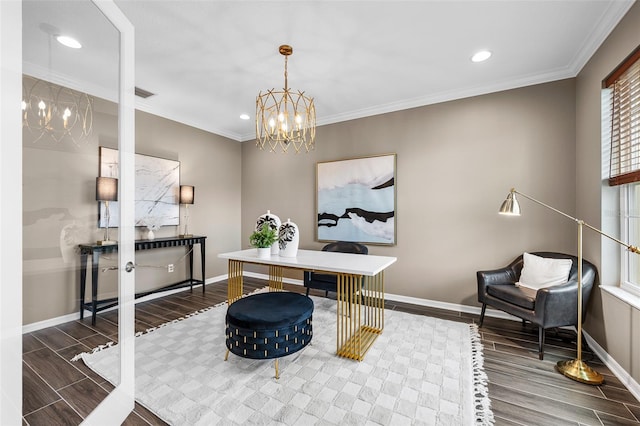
{"type": "Point", "coordinates": [262, 239]}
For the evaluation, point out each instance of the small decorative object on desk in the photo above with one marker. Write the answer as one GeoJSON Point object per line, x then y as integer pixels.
{"type": "Point", "coordinates": [289, 239]}
{"type": "Point", "coordinates": [274, 223]}
{"type": "Point", "coordinates": [262, 239]}
{"type": "Point", "coordinates": [152, 224]}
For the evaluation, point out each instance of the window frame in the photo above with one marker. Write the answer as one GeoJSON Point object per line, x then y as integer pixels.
{"type": "Point", "coordinates": [623, 156]}
{"type": "Point", "coordinates": [625, 255]}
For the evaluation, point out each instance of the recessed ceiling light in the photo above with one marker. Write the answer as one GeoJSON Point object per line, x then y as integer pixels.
{"type": "Point", "coordinates": [69, 42]}
{"type": "Point", "coordinates": [244, 116]}
{"type": "Point", "coordinates": [480, 56]}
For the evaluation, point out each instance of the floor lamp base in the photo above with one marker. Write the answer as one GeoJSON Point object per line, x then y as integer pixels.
{"type": "Point", "coordinates": [579, 371]}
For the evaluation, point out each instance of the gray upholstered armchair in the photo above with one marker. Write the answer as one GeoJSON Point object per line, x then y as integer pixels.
{"type": "Point", "coordinates": [548, 307]}
{"type": "Point", "coordinates": [328, 282]}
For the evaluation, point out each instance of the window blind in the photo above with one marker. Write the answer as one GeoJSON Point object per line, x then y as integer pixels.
{"type": "Point", "coordinates": [624, 84]}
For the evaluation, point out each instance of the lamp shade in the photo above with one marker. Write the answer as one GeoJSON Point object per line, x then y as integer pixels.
{"type": "Point", "coordinates": [106, 189]}
{"type": "Point", "coordinates": [510, 206]}
{"type": "Point", "coordinates": [187, 194]}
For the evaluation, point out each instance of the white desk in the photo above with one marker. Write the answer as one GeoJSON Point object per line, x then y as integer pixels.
{"type": "Point", "coordinates": [360, 298]}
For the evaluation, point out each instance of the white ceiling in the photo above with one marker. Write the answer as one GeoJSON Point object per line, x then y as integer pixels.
{"type": "Point", "coordinates": [207, 60]}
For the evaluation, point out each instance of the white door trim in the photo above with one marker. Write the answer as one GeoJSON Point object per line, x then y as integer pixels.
{"type": "Point", "coordinates": [118, 405]}
{"type": "Point", "coordinates": [10, 212]}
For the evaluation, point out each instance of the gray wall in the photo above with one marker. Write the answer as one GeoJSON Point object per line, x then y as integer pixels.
{"type": "Point", "coordinates": [456, 162]}
{"type": "Point", "coordinates": [60, 210]}
{"type": "Point", "coordinates": [613, 323]}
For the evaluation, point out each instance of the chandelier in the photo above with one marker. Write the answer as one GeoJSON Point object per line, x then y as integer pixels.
{"type": "Point", "coordinates": [56, 111]}
{"type": "Point", "coordinates": [52, 110]}
{"type": "Point", "coordinates": [285, 118]}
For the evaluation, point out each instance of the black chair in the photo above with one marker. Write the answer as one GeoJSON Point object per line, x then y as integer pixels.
{"type": "Point", "coordinates": [549, 307]}
{"type": "Point", "coordinates": [328, 282]}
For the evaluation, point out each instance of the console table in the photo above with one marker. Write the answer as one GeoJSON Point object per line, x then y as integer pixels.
{"type": "Point", "coordinates": [360, 298]}
{"type": "Point", "coordinates": [95, 251]}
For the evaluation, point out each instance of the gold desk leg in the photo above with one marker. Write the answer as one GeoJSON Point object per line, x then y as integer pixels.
{"type": "Point", "coordinates": [275, 278]}
{"type": "Point", "coordinates": [234, 286]}
{"type": "Point", "coordinates": [374, 303]}
{"type": "Point", "coordinates": [360, 312]}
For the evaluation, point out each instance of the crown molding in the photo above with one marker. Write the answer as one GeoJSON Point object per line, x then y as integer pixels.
{"type": "Point", "coordinates": [452, 95]}
{"type": "Point", "coordinates": [610, 19]}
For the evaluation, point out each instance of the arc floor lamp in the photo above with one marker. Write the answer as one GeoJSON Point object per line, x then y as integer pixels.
{"type": "Point", "coordinates": [575, 369]}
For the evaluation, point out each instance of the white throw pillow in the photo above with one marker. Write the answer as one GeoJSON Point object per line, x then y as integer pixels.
{"type": "Point", "coordinates": [540, 272]}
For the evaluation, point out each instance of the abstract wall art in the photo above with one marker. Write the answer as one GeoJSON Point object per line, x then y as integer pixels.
{"type": "Point", "coordinates": [356, 200]}
{"type": "Point", "coordinates": [156, 190]}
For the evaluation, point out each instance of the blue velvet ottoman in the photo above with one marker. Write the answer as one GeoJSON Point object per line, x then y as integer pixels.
{"type": "Point", "coordinates": [269, 325]}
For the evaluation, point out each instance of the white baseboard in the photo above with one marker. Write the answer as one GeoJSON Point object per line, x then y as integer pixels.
{"type": "Point", "coordinates": [616, 369]}
{"type": "Point", "coordinates": [266, 278]}
{"type": "Point", "coordinates": [29, 328]}
{"type": "Point", "coordinates": [454, 307]}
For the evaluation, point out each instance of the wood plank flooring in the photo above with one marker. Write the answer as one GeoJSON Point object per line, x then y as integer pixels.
{"type": "Point", "coordinates": [523, 389]}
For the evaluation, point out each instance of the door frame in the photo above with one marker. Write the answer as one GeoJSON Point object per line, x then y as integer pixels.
{"type": "Point", "coordinates": [10, 212]}
{"type": "Point", "coordinates": [115, 408]}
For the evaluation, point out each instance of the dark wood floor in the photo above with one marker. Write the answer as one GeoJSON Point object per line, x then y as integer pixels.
{"type": "Point", "coordinates": [523, 389]}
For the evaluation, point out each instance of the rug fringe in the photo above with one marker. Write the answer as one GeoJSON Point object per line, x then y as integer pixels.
{"type": "Point", "coordinates": [152, 329]}
{"type": "Point", "coordinates": [94, 350]}
{"type": "Point", "coordinates": [484, 415]}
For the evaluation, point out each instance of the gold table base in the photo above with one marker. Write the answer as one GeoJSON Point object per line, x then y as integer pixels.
{"type": "Point", "coordinates": [360, 306]}
{"type": "Point", "coordinates": [360, 313]}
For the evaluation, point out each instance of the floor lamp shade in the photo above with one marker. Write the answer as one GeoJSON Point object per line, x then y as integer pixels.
{"type": "Point", "coordinates": [106, 190]}
{"type": "Point", "coordinates": [510, 206]}
{"type": "Point", "coordinates": [187, 194]}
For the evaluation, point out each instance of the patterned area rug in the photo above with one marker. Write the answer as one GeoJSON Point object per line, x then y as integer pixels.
{"type": "Point", "coordinates": [421, 370]}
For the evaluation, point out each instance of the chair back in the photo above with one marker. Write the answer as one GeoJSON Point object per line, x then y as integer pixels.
{"type": "Point", "coordinates": [346, 247]}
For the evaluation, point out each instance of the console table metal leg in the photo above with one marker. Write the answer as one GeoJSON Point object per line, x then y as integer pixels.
{"type": "Point", "coordinates": [234, 286]}
{"type": "Point", "coordinates": [360, 314]}
{"type": "Point", "coordinates": [202, 263]}
{"type": "Point", "coordinates": [83, 281]}
{"type": "Point", "coordinates": [94, 286]}
{"type": "Point", "coordinates": [190, 248]}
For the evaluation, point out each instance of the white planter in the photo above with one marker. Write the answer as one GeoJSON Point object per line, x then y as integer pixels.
{"type": "Point", "coordinates": [274, 223]}
{"type": "Point", "coordinates": [289, 239]}
{"type": "Point", "coordinates": [264, 253]}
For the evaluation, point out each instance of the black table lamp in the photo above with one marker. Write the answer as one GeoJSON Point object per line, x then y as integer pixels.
{"type": "Point", "coordinates": [106, 190]}
{"type": "Point", "coordinates": [187, 195]}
